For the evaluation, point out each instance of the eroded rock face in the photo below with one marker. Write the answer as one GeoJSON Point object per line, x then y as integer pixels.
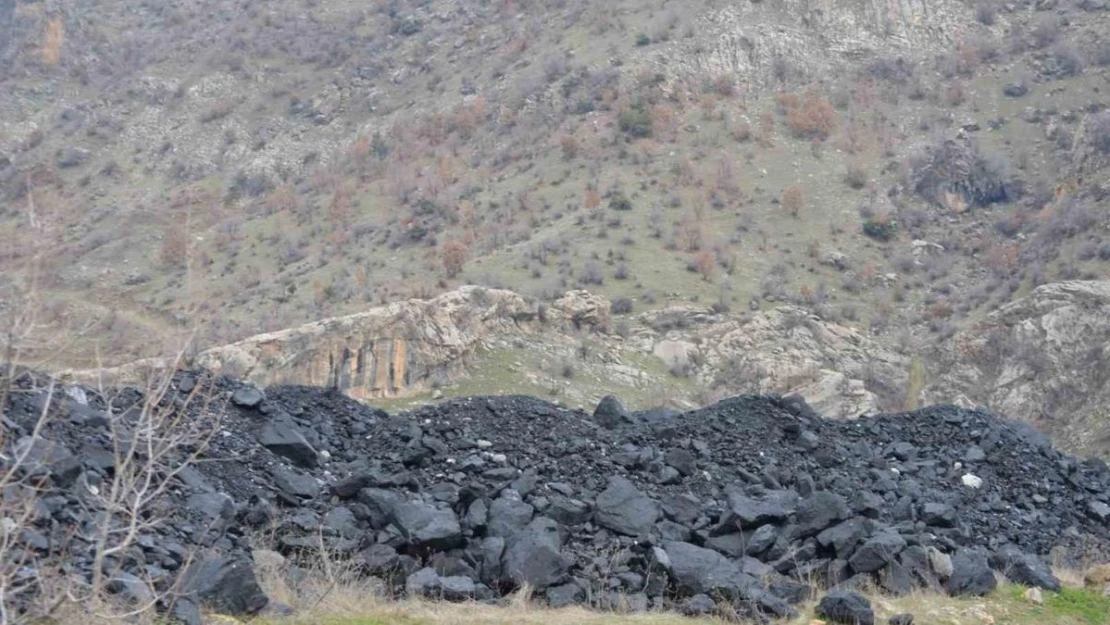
{"type": "Point", "coordinates": [1044, 359]}
{"type": "Point", "coordinates": [385, 351]}
{"type": "Point", "coordinates": [747, 39]}
{"type": "Point", "coordinates": [784, 350]}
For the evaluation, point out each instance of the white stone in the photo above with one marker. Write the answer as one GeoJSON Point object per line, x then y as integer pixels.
{"type": "Point", "coordinates": [972, 481]}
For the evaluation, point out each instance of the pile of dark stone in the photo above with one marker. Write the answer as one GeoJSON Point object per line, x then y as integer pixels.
{"type": "Point", "coordinates": [750, 506]}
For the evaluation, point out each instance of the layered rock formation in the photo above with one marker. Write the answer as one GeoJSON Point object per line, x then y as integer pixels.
{"type": "Point", "coordinates": [382, 352]}
{"type": "Point", "coordinates": [748, 39]}
{"type": "Point", "coordinates": [784, 350]}
{"type": "Point", "coordinates": [1044, 358]}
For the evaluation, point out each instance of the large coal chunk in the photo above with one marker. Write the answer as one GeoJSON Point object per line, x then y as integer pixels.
{"type": "Point", "coordinates": [225, 583]}
{"type": "Point", "coordinates": [847, 607]}
{"type": "Point", "coordinates": [746, 513]}
{"type": "Point", "coordinates": [508, 514]}
{"type": "Point", "coordinates": [843, 537]}
{"type": "Point", "coordinates": [621, 507]}
{"type": "Point", "coordinates": [697, 570]}
{"type": "Point", "coordinates": [818, 511]}
{"type": "Point", "coordinates": [1024, 568]}
{"type": "Point", "coordinates": [425, 526]}
{"type": "Point", "coordinates": [283, 437]}
{"type": "Point", "coordinates": [534, 556]}
{"type": "Point", "coordinates": [877, 552]}
{"type": "Point", "coordinates": [610, 412]}
{"type": "Point", "coordinates": [971, 574]}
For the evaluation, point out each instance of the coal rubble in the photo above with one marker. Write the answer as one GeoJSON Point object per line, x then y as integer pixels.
{"type": "Point", "coordinates": [755, 502]}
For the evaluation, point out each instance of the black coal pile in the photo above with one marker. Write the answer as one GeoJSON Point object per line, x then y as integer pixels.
{"type": "Point", "coordinates": [755, 501]}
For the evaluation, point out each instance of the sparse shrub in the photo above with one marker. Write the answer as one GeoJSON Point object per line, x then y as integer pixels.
{"type": "Point", "coordinates": [592, 273]}
{"type": "Point", "coordinates": [1065, 61]}
{"type": "Point", "coordinates": [620, 202]}
{"type": "Point", "coordinates": [454, 255]}
{"type": "Point", "coordinates": [811, 117]}
{"type": "Point", "coordinates": [724, 85]}
{"type": "Point", "coordinates": [1100, 55]}
{"type": "Point", "coordinates": [793, 200]}
{"type": "Point", "coordinates": [406, 26]}
{"type": "Point", "coordinates": [567, 370]}
{"type": "Point", "coordinates": [886, 68]}
{"type": "Point", "coordinates": [704, 263]}
{"type": "Point", "coordinates": [954, 94]}
{"type": "Point", "coordinates": [741, 131]}
{"type": "Point", "coordinates": [622, 306]}
{"type": "Point", "coordinates": [622, 272]}
{"type": "Point", "coordinates": [1104, 252]}
{"type": "Point", "coordinates": [986, 12]}
{"type": "Point", "coordinates": [642, 39]}
{"type": "Point", "coordinates": [1046, 31]}
{"type": "Point", "coordinates": [880, 228]}
{"type": "Point", "coordinates": [217, 111]}
{"type": "Point", "coordinates": [855, 177]}
{"type": "Point", "coordinates": [1098, 132]}
{"type": "Point", "coordinates": [636, 121]}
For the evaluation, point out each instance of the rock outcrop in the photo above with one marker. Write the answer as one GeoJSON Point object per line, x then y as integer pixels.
{"type": "Point", "coordinates": [1044, 358]}
{"type": "Point", "coordinates": [386, 351]}
{"type": "Point", "coordinates": [784, 350]}
{"type": "Point", "coordinates": [383, 352]}
{"type": "Point", "coordinates": [748, 39]}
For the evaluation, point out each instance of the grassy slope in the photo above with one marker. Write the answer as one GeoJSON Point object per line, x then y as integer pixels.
{"type": "Point", "coordinates": [243, 286]}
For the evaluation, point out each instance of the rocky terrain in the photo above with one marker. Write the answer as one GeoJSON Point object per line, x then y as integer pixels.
{"type": "Point", "coordinates": [748, 505]}
{"type": "Point", "coordinates": [1040, 359]}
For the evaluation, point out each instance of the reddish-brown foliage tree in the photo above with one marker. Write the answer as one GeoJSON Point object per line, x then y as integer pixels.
{"type": "Point", "coordinates": [793, 200]}
{"type": "Point", "coordinates": [454, 255]}
{"type": "Point", "coordinates": [705, 264]}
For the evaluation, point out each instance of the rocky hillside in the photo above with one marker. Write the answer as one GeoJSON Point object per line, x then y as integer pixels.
{"type": "Point", "coordinates": [1044, 358]}
{"type": "Point", "coordinates": [902, 167]}
{"type": "Point", "coordinates": [744, 507]}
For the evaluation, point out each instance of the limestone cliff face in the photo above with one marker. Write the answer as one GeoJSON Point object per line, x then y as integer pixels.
{"type": "Point", "coordinates": [744, 39]}
{"type": "Point", "coordinates": [383, 352]}
{"type": "Point", "coordinates": [784, 350]}
{"type": "Point", "coordinates": [1044, 358]}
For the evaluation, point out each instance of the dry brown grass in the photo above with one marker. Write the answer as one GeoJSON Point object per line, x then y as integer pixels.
{"type": "Point", "coordinates": [332, 595]}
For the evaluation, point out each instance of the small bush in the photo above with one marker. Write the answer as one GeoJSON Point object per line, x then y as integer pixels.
{"type": "Point", "coordinates": [1100, 55]}
{"type": "Point", "coordinates": [567, 370]}
{"type": "Point", "coordinates": [1098, 132]}
{"type": "Point", "coordinates": [1046, 31]}
{"type": "Point", "coordinates": [217, 111]}
{"type": "Point", "coordinates": [793, 200]}
{"type": "Point", "coordinates": [636, 121]}
{"type": "Point", "coordinates": [620, 202]}
{"type": "Point", "coordinates": [986, 12]}
{"type": "Point", "coordinates": [592, 273]}
{"type": "Point", "coordinates": [855, 177]}
{"type": "Point", "coordinates": [880, 229]}
{"type": "Point", "coordinates": [642, 39]}
{"type": "Point", "coordinates": [406, 26]}
{"type": "Point", "coordinates": [1065, 61]}
{"type": "Point", "coordinates": [622, 306]}
{"type": "Point", "coordinates": [811, 117]}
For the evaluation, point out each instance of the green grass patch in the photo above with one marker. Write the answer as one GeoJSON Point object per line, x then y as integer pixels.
{"type": "Point", "coordinates": [1070, 605]}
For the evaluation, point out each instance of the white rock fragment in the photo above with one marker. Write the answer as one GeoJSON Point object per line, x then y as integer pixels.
{"type": "Point", "coordinates": [972, 481]}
